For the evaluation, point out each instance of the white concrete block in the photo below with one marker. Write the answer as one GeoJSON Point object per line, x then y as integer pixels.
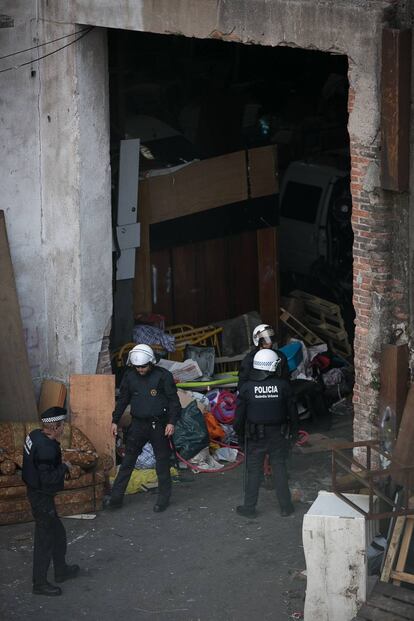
{"type": "Point", "coordinates": [335, 541]}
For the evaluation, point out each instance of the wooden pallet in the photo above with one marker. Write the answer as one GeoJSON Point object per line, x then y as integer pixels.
{"type": "Point", "coordinates": [299, 328]}
{"type": "Point", "coordinates": [325, 319]}
{"type": "Point", "coordinates": [387, 603]}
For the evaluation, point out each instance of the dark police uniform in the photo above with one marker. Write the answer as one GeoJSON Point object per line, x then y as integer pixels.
{"type": "Point", "coordinates": [246, 366]}
{"type": "Point", "coordinates": [265, 407]}
{"type": "Point", "coordinates": [154, 404]}
{"type": "Point", "coordinates": [44, 475]}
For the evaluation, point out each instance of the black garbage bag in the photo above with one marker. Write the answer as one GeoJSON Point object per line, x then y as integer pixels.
{"type": "Point", "coordinates": [191, 434]}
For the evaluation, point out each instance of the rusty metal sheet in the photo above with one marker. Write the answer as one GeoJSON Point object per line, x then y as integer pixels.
{"type": "Point", "coordinates": [395, 109]}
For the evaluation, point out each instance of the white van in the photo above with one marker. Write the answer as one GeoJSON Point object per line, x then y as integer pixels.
{"type": "Point", "coordinates": [315, 218]}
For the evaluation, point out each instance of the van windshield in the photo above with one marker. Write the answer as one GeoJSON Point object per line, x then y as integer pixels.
{"type": "Point", "coordinates": [300, 201]}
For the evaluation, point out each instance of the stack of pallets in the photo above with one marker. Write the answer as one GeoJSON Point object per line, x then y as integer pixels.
{"type": "Point", "coordinates": [324, 319]}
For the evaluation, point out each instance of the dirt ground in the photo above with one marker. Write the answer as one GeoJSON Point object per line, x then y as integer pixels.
{"type": "Point", "coordinates": [198, 561]}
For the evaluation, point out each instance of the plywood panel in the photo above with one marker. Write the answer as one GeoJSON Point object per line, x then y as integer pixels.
{"type": "Point", "coordinates": [197, 187]}
{"type": "Point", "coordinates": [263, 172]}
{"type": "Point", "coordinates": [268, 276]}
{"type": "Point", "coordinates": [186, 287]}
{"type": "Point", "coordinates": [212, 270]}
{"type": "Point", "coordinates": [242, 279]}
{"type": "Point", "coordinates": [403, 454]}
{"type": "Point", "coordinates": [92, 401]}
{"type": "Point", "coordinates": [162, 284]}
{"type": "Point", "coordinates": [17, 398]}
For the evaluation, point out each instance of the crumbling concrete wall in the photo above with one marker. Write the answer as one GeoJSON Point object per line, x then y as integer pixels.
{"type": "Point", "coordinates": [56, 190]}
{"type": "Point", "coordinates": [350, 27]}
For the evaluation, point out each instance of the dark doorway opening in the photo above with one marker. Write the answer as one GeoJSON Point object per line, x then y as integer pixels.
{"type": "Point", "coordinates": [190, 99]}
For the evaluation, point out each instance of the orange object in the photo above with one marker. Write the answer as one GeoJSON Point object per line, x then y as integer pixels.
{"type": "Point", "coordinates": [215, 431]}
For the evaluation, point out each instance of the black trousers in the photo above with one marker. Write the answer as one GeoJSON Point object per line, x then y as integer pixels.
{"type": "Point", "coordinates": [277, 447]}
{"type": "Point", "coordinates": [311, 393]}
{"type": "Point", "coordinates": [49, 538]}
{"type": "Point", "coordinates": [140, 432]}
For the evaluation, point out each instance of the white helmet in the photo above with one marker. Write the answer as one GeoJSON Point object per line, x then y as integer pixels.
{"type": "Point", "coordinates": [141, 355]}
{"type": "Point", "coordinates": [266, 360]}
{"type": "Point", "coordinates": [263, 331]}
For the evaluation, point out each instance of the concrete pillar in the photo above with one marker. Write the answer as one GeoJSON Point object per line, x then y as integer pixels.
{"type": "Point", "coordinates": [56, 190]}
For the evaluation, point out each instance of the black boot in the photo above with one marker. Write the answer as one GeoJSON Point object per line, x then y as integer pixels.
{"type": "Point", "coordinates": [46, 589]}
{"type": "Point", "coordinates": [68, 572]}
{"type": "Point", "coordinates": [161, 505]}
{"type": "Point", "coordinates": [286, 511]}
{"type": "Point", "coordinates": [249, 512]}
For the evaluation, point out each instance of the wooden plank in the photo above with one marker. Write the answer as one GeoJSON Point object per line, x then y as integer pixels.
{"type": "Point", "coordinates": [268, 276]}
{"type": "Point", "coordinates": [200, 186]}
{"type": "Point", "coordinates": [402, 576]}
{"type": "Point", "coordinates": [395, 109]}
{"type": "Point", "coordinates": [392, 549]}
{"type": "Point", "coordinates": [405, 544]}
{"type": "Point", "coordinates": [399, 593]}
{"type": "Point", "coordinates": [394, 379]}
{"type": "Point", "coordinates": [403, 454]}
{"type": "Point", "coordinates": [17, 398]}
{"type": "Point", "coordinates": [92, 401]}
{"type": "Point", "coordinates": [263, 171]}
{"type": "Point", "coordinates": [52, 394]}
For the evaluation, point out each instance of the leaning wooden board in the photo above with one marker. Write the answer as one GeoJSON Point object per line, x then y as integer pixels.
{"type": "Point", "coordinates": [403, 454]}
{"type": "Point", "coordinates": [17, 398]}
{"type": "Point", "coordinates": [92, 401]}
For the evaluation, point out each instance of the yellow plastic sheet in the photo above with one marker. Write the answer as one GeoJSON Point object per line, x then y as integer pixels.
{"type": "Point", "coordinates": [141, 480]}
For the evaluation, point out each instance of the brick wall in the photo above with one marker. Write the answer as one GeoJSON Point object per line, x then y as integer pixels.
{"type": "Point", "coordinates": [380, 225]}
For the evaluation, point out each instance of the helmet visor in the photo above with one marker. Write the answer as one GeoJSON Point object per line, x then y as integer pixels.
{"type": "Point", "coordinates": [267, 335]}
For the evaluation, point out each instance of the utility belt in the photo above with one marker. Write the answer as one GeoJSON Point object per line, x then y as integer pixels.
{"type": "Point", "coordinates": [162, 419]}
{"type": "Point", "coordinates": [257, 431]}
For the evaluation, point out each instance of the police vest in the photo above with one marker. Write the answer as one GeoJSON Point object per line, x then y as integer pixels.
{"type": "Point", "coordinates": [41, 452]}
{"type": "Point", "coordinates": [148, 399]}
{"type": "Point", "coordinates": [266, 400]}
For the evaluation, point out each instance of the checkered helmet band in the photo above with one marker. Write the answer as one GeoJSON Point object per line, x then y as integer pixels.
{"type": "Point", "coordinates": [53, 415]}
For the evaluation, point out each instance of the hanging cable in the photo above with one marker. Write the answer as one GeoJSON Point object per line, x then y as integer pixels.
{"type": "Point", "coordinates": [29, 49]}
{"type": "Point", "coordinates": [30, 62]}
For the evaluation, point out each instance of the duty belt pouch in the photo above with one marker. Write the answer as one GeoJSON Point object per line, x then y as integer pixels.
{"type": "Point", "coordinates": [255, 432]}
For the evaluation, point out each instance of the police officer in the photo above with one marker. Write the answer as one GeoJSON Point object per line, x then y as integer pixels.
{"type": "Point", "coordinates": [155, 408]}
{"type": "Point", "coordinates": [44, 475]}
{"type": "Point", "coordinates": [267, 412]}
{"type": "Point", "coordinates": [263, 338]}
